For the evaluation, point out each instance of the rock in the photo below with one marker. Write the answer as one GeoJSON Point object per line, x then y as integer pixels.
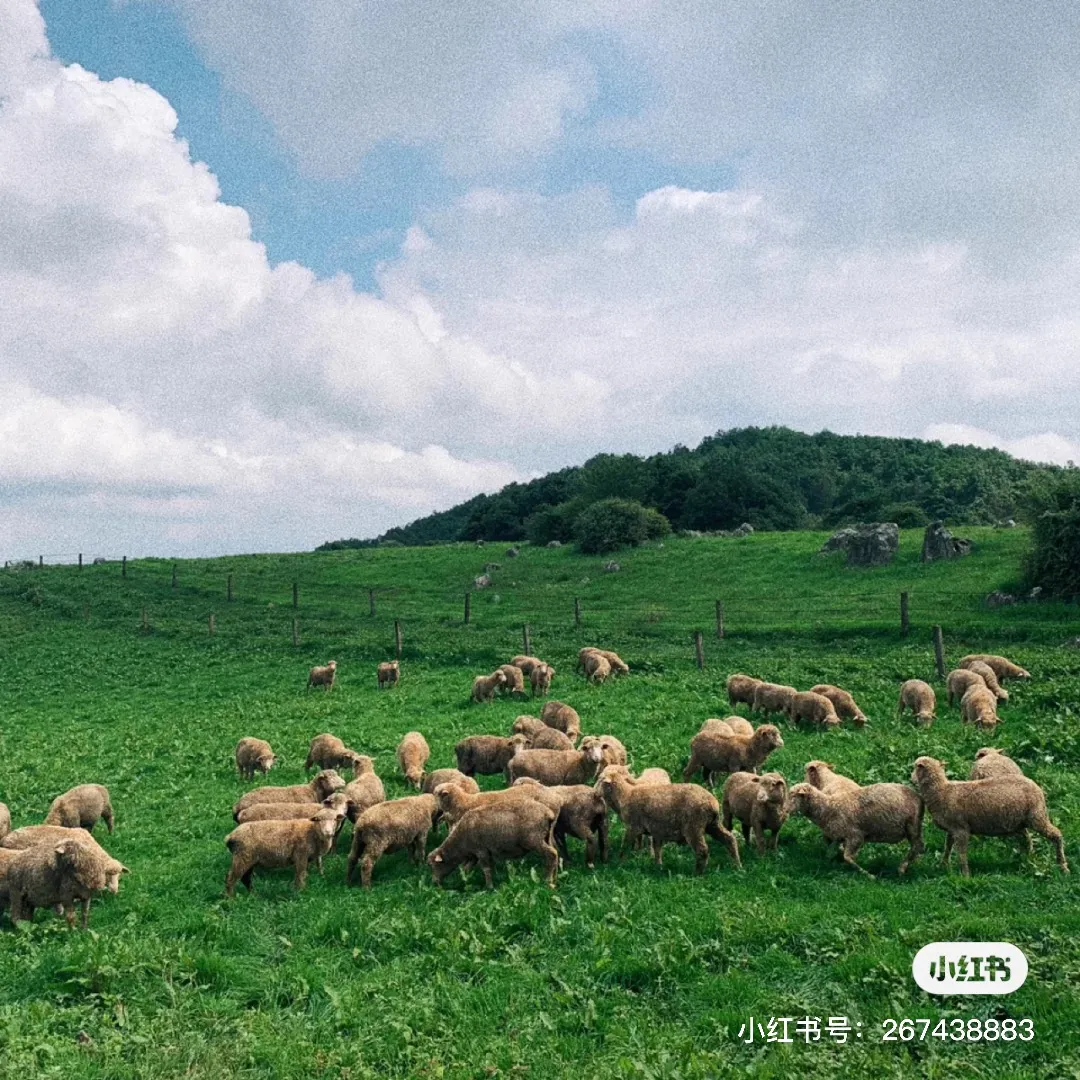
{"type": "Point", "coordinates": [745, 529]}
{"type": "Point", "coordinates": [481, 582]}
{"type": "Point", "coordinates": [512, 553]}
{"type": "Point", "coordinates": [612, 567]}
{"type": "Point", "coordinates": [939, 543]}
{"type": "Point", "coordinates": [866, 544]}
{"type": "Point", "coordinates": [999, 599]}
{"type": "Point", "coordinates": [554, 543]}
{"type": "Point", "coordinates": [1036, 593]}
{"type": "Point", "coordinates": [490, 566]}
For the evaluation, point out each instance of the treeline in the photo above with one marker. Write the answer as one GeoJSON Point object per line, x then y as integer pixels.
{"type": "Point", "coordinates": [774, 478]}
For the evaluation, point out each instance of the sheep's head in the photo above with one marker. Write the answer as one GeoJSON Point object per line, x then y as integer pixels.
{"type": "Point", "coordinates": [499, 677]}
{"type": "Point", "coordinates": [332, 666]}
{"type": "Point", "coordinates": [772, 788]}
{"type": "Point", "coordinates": [525, 781]}
{"type": "Point", "coordinates": [986, 751]}
{"type": "Point", "coordinates": [113, 870]}
{"type": "Point", "coordinates": [265, 763]}
{"type": "Point", "coordinates": [362, 765]}
{"type": "Point", "coordinates": [326, 821]}
{"type": "Point", "coordinates": [526, 725]}
{"type": "Point", "coordinates": [927, 770]}
{"type": "Point", "coordinates": [337, 802]}
{"type": "Point", "coordinates": [801, 796]}
{"type": "Point", "coordinates": [859, 719]}
{"type": "Point", "coordinates": [326, 783]}
{"type": "Point", "coordinates": [439, 866]}
{"type": "Point", "coordinates": [816, 773]}
{"type": "Point", "coordinates": [519, 742]}
{"type": "Point", "coordinates": [768, 735]}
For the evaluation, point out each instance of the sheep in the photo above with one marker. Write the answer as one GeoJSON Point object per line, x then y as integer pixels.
{"type": "Point", "coordinates": [986, 672]}
{"type": "Point", "coordinates": [714, 752]}
{"type": "Point", "coordinates": [329, 752]}
{"type": "Point", "coordinates": [6, 857]}
{"type": "Point", "coordinates": [36, 835]}
{"type": "Point", "coordinates": [820, 774]}
{"type": "Point", "coordinates": [412, 754]}
{"type": "Point", "coordinates": [843, 703]}
{"type": "Point", "coordinates": [391, 826]}
{"type": "Point", "coordinates": [669, 813]}
{"type": "Point", "coordinates": [558, 767]}
{"type": "Point", "coordinates": [959, 681]}
{"type": "Point", "coordinates": [319, 787]}
{"type": "Point", "coordinates": [979, 707]}
{"type": "Point", "coordinates": [1006, 806]}
{"type": "Point", "coordinates": [432, 780]}
{"type": "Point", "coordinates": [82, 807]}
{"type": "Point", "coordinates": [389, 674]}
{"type": "Point", "coordinates": [732, 725]}
{"type": "Point", "coordinates": [365, 790]}
{"type": "Point", "coordinates": [504, 831]}
{"type": "Point", "coordinates": [323, 676]}
{"type": "Point", "coordinates": [759, 802]}
{"type": "Point", "coordinates": [539, 735]}
{"type": "Point", "coordinates": [741, 688]}
{"type": "Point", "coordinates": [1003, 669]}
{"type": "Point", "coordinates": [274, 844]}
{"type": "Point", "coordinates": [875, 814]}
{"type": "Point", "coordinates": [610, 748]}
{"type": "Point", "coordinates": [454, 801]}
{"type": "Point", "coordinates": [484, 686]}
{"type": "Point", "coordinates": [514, 679]}
{"type": "Point", "coordinates": [526, 664]}
{"type": "Point", "coordinates": [772, 698]}
{"type": "Point", "coordinates": [582, 813]}
{"type": "Point", "coordinates": [252, 756]}
{"type": "Point", "coordinates": [816, 708]}
{"type": "Point", "coordinates": [919, 697]}
{"type": "Point", "coordinates": [653, 776]}
{"type": "Point", "coordinates": [597, 668]}
{"type": "Point", "coordinates": [5, 820]}
{"type": "Point", "coordinates": [992, 764]}
{"type": "Point", "coordinates": [302, 811]}
{"type": "Point", "coordinates": [617, 664]}
{"type": "Point", "coordinates": [58, 875]}
{"type": "Point", "coordinates": [540, 680]}
{"type": "Point", "coordinates": [487, 754]}
{"type": "Point", "coordinates": [562, 717]}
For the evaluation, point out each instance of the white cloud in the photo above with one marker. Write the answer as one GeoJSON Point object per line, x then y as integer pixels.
{"type": "Point", "coordinates": [1047, 446]}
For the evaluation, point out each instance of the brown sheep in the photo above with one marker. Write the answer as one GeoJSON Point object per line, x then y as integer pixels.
{"type": "Point", "coordinates": [978, 706]}
{"type": "Point", "coordinates": [391, 826]}
{"type": "Point", "coordinates": [562, 717]}
{"type": "Point", "coordinates": [731, 725]}
{"type": "Point", "coordinates": [329, 752]}
{"type": "Point", "coordinates": [820, 774]}
{"type": "Point", "coordinates": [36, 835]}
{"type": "Point", "coordinates": [986, 673]}
{"type": "Point", "coordinates": [540, 680]}
{"type": "Point", "coordinates": [741, 688]}
{"type": "Point", "coordinates": [991, 764]}
{"type": "Point", "coordinates": [959, 681]}
{"type": "Point", "coordinates": [509, 830]}
{"type": "Point", "coordinates": [1003, 669]}
{"type": "Point", "coordinates": [82, 808]}
{"type": "Point", "coordinates": [540, 736]}
{"type": "Point", "coordinates": [484, 686]}
{"type": "Point", "coordinates": [323, 676]}
{"type": "Point", "coordinates": [718, 753]}
{"type": "Point", "coordinates": [557, 767]}
{"type": "Point", "coordinates": [1006, 806]}
{"type": "Point", "coordinates": [617, 664]}
{"type": "Point", "coordinates": [816, 708]}
{"type": "Point", "coordinates": [525, 664]}
{"type": "Point", "coordinates": [487, 754]}
{"type": "Point", "coordinates": [365, 790]}
{"type": "Point", "coordinates": [303, 811]}
{"type": "Point", "coordinates": [515, 679]}
{"type": "Point", "coordinates": [597, 668]}
{"type": "Point", "coordinates": [389, 674]}
{"type": "Point", "coordinates": [609, 748]}
{"type": "Point", "coordinates": [582, 813]}
{"type": "Point", "coordinates": [772, 698]}
{"type": "Point", "coordinates": [454, 801]}
{"type": "Point", "coordinates": [6, 857]}
{"type": "Point", "coordinates": [919, 697]}
{"type": "Point", "coordinates": [275, 844]}
{"type": "Point", "coordinates": [759, 802]}
{"type": "Point", "coordinates": [652, 776]}
{"type": "Point", "coordinates": [412, 754]}
{"type": "Point", "coordinates": [252, 756]}
{"type": "Point", "coordinates": [843, 703]}
{"type": "Point", "coordinates": [5, 820]}
{"type": "Point", "coordinates": [319, 787]}
{"type": "Point", "coordinates": [432, 780]}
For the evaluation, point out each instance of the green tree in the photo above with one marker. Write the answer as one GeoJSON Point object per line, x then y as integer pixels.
{"type": "Point", "coordinates": [1054, 562]}
{"type": "Point", "coordinates": [610, 524]}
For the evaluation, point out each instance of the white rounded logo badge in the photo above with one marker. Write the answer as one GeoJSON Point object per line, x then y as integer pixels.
{"type": "Point", "coordinates": [969, 967]}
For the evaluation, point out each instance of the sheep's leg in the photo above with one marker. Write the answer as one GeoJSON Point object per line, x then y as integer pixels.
{"type": "Point", "coordinates": [109, 820]}
{"type": "Point", "coordinates": [560, 844]}
{"type": "Point", "coordinates": [551, 864]}
{"type": "Point", "coordinates": [701, 852]}
{"type": "Point", "coordinates": [657, 851]}
{"type": "Point", "coordinates": [69, 915]}
{"type": "Point", "coordinates": [759, 837]}
{"type": "Point", "coordinates": [960, 842]}
{"type": "Point", "coordinates": [915, 850]}
{"type": "Point", "coordinates": [851, 848]}
{"type": "Point", "coordinates": [237, 870]}
{"type": "Point", "coordinates": [602, 838]}
{"type": "Point", "coordinates": [367, 864]}
{"type": "Point", "coordinates": [484, 858]}
{"type": "Point", "coordinates": [630, 839]}
{"type": "Point", "coordinates": [85, 903]}
{"type": "Point", "coordinates": [728, 839]}
{"type": "Point", "coordinates": [246, 879]}
{"type": "Point", "coordinates": [591, 843]}
{"type": "Point", "coordinates": [1053, 835]}
{"type": "Point", "coordinates": [728, 816]}
{"type": "Point", "coordinates": [692, 767]}
{"type": "Point", "coordinates": [1029, 840]}
{"type": "Point", "coordinates": [300, 862]}
{"type": "Point", "coordinates": [746, 833]}
{"type": "Point", "coordinates": [948, 850]}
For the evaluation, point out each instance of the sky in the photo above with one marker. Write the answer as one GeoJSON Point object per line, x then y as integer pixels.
{"type": "Point", "coordinates": [278, 274]}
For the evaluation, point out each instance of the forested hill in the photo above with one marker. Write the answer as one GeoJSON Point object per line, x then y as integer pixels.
{"type": "Point", "coordinates": [774, 478]}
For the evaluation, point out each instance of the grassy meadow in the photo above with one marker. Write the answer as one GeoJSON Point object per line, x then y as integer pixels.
{"type": "Point", "coordinates": [628, 971]}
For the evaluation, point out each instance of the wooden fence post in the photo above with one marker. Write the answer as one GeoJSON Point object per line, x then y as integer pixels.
{"type": "Point", "coordinates": [40, 561]}
{"type": "Point", "coordinates": [939, 652]}
{"type": "Point", "coordinates": [371, 602]}
{"type": "Point", "coordinates": [295, 632]}
{"type": "Point", "coordinates": [145, 621]}
{"type": "Point", "coordinates": [526, 638]}
{"type": "Point", "coordinates": [720, 619]}
{"type": "Point", "coordinates": [80, 560]}
{"type": "Point", "coordinates": [295, 595]}
{"type": "Point", "coordinates": [397, 639]}
{"type": "Point", "coordinates": [577, 611]}
{"type": "Point", "coordinates": [905, 622]}
{"type": "Point", "coordinates": [123, 566]}
{"type": "Point", "coordinates": [228, 589]}
{"type": "Point", "coordinates": [213, 624]}
{"type": "Point", "coordinates": [468, 606]}
{"type": "Point", "coordinates": [173, 582]}
{"type": "Point", "coordinates": [699, 650]}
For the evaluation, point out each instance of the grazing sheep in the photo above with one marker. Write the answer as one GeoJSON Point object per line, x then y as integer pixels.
{"type": "Point", "coordinates": [389, 674]}
{"type": "Point", "coordinates": [611, 750]}
{"type": "Point", "coordinates": [302, 811]}
{"type": "Point", "coordinates": [525, 664]}
{"type": "Point", "coordinates": [759, 802]}
{"type": "Point", "coordinates": [319, 787]}
{"type": "Point", "coordinates": [365, 791]}
{"type": "Point", "coordinates": [843, 703]}
{"type": "Point", "coordinates": [772, 698]}
{"type": "Point", "coordinates": [562, 717]}
{"type": "Point", "coordinates": [961, 680]}
{"type": "Point", "coordinates": [274, 844]}
{"type": "Point", "coordinates": [875, 814]}
{"type": "Point", "coordinates": [252, 756]}
{"type": "Point", "coordinates": [6, 857]}
{"type": "Point", "coordinates": [668, 813]}
{"type": "Point", "coordinates": [1003, 669]}
{"type": "Point", "coordinates": [715, 753]}
{"type": "Point", "coordinates": [816, 708]}
{"type": "Point", "coordinates": [487, 754]}
{"type": "Point", "coordinates": [5, 820]}
{"type": "Point", "coordinates": [391, 826]}
{"type": "Point", "coordinates": [741, 688]}
{"type": "Point", "coordinates": [454, 801]}
{"type": "Point", "coordinates": [820, 774]}
{"type": "Point", "coordinates": [508, 830]}
{"type": "Point", "coordinates": [993, 764]}
{"type": "Point", "coordinates": [36, 835]}
{"type": "Point", "coordinates": [515, 679]}
{"type": "Point", "coordinates": [652, 776]}
{"type": "Point", "coordinates": [582, 813]}
{"type": "Point", "coordinates": [329, 752]}
{"type": "Point", "coordinates": [558, 767]}
{"type": "Point", "coordinates": [540, 679]}
{"type": "Point", "coordinates": [1004, 806]}
{"type": "Point", "coordinates": [986, 672]}
{"type": "Point", "coordinates": [617, 664]}
{"type": "Point", "coordinates": [597, 669]}
{"type": "Point", "coordinates": [979, 707]}
{"type": "Point", "coordinates": [432, 780]}
{"type": "Point", "coordinates": [540, 736]}
{"type": "Point", "coordinates": [412, 754]}
{"type": "Point", "coordinates": [323, 676]}
{"type": "Point", "coordinates": [81, 808]}
{"type": "Point", "coordinates": [919, 697]}
{"type": "Point", "coordinates": [732, 725]}
{"type": "Point", "coordinates": [484, 686]}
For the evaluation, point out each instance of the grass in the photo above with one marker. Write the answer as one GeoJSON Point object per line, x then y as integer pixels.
{"type": "Point", "coordinates": [626, 972]}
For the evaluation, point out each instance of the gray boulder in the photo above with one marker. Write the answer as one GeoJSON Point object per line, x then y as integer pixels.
{"type": "Point", "coordinates": [745, 529]}
{"type": "Point", "coordinates": [870, 544]}
{"type": "Point", "coordinates": [939, 543]}
{"type": "Point", "coordinates": [481, 582]}
{"type": "Point", "coordinates": [612, 567]}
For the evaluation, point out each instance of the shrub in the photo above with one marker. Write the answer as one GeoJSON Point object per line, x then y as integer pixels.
{"type": "Point", "coordinates": [1054, 561]}
{"type": "Point", "coordinates": [907, 515]}
{"type": "Point", "coordinates": [552, 523]}
{"type": "Point", "coordinates": [609, 524]}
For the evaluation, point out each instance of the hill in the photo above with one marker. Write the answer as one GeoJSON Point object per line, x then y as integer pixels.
{"type": "Point", "coordinates": [774, 478]}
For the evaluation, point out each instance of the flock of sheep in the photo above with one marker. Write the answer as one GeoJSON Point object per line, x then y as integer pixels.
{"type": "Point", "coordinates": [561, 784]}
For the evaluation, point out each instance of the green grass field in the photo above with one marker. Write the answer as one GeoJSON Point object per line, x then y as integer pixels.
{"type": "Point", "coordinates": [626, 971]}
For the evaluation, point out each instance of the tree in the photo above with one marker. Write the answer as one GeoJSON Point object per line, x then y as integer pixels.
{"type": "Point", "coordinates": [1054, 561]}
{"type": "Point", "coordinates": [610, 524]}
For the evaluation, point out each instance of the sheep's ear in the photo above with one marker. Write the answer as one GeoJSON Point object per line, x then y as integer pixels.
{"type": "Point", "coordinates": [60, 848]}
{"type": "Point", "coordinates": [437, 858]}
{"type": "Point", "coordinates": [124, 869]}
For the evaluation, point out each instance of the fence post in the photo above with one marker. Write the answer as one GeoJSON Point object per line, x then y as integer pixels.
{"type": "Point", "coordinates": [295, 632]}
{"type": "Point", "coordinates": [40, 561]}
{"type": "Point", "coordinates": [295, 595]}
{"type": "Point", "coordinates": [371, 602]}
{"type": "Point", "coordinates": [228, 589]}
{"type": "Point", "coordinates": [577, 611]}
{"type": "Point", "coordinates": [905, 622]}
{"type": "Point", "coordinates": [939, 652]}
{"type": "Point", "coordinates": [720, 619]}
{"type": "Point", "coordinates": [173, 583]}
{"type": "Point", "coordinates": [468, 606]}
{"type": "Point", "coordinates": [145, 621]}
{"type": "Point", "coordinates": [213, 624]}
{"type": "Point", "coordinates": [80, 560]}
{"type": "Point", "coordinates": [397, 639]}
{"type": "Point", "coordinates": [699, 650]}
{"type": "Point", "coordinates": [123, 566]}
{"type": "Point", "coordinates": [526, 638]}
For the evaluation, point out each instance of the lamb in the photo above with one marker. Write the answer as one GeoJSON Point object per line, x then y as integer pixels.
{"type": "Point", "coordinates": [365, 791]}
{"type": "Point", "coordinates": [5, 820]}
{"type": "Point", "coordinates": [715, 752]}
{"type": "Point", "coordinates": [741, 688]}
{"type": "Point", "coordinates": [582, 813]}
{"type": "Point", "coordinates": [540, 679]}
{"type": "Point", "coordinates": [558, 715]}
{"type": "Point", "coordinates": [772, 698]}
{"type": "Point", "coordinates": [816, 708]}
{"type": "Point", "coordinates": [875, 814]}
{"type": "Point", "coordinates": [597, 668]}
{"type": "Point", "coordinates": [920, 699]}
{"type": "Point", "coordinates": [617, 664]}
{"type": "Point", "coordinates": [843, 703]}
{"type": "Point", "coordinates": [504, 831]}
{"type": "Point", "coordinates": [526, 664]}
{"type": "Point", "coordinates": [979, 707]}
{"type": "Point", "coordinates": [986, 672]}
{"type": "Point", "coordinates": [319, 787]}
{"type": "Point", "coordinates": [610, 749]}
{"type": "Point", "coordinates": [733, 725]}
{"type": "Point", "coordinates": [669, 813]}
{"type": "Point", "coordinates": [1003, 669]}
{"type": "Point", "coordinates": [391, 826]}
{"type": "Point", "coordinates": [487, 754]}
{"type": "Point", "coordinates": [412, 754]}
{"type": "Point", "coordinates": [274, 844]}
{"type": "Point", "coordinates": [820, 774]}
{"type": "Point", "coordinates": [539, 735]}
{"type": "Point", "coordinates": [252, 756]}
{"type": "Point", "coordinates": [558, 767]}
{"type": "Point", "coordinates": [993, 764]}
{"type": "Point", "coordinates": [323, 676]}
{"type": "Point", "coordinates": [515, 679]}
{"type": "Point", "coordinates": [960, 681]}
{"type": "Point", "coordinates": [432, 780]}
{"type": "Point", "coordinates": [484, 686]}
{"type": "Point", "coordinates": [302, 811]}
{"type": "Point", "coordinates": [82, 808]}
{"type": "Point", "coordinates": [329, 752]}
{"type": "Point", "coordinates": [389, 674]}
{"type": "Point", "coordinates": [759, 802]}
{"type": "Point", "coordinates": [1006, 806]}
{"type": "Point", "coordinates": [37, 835]}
